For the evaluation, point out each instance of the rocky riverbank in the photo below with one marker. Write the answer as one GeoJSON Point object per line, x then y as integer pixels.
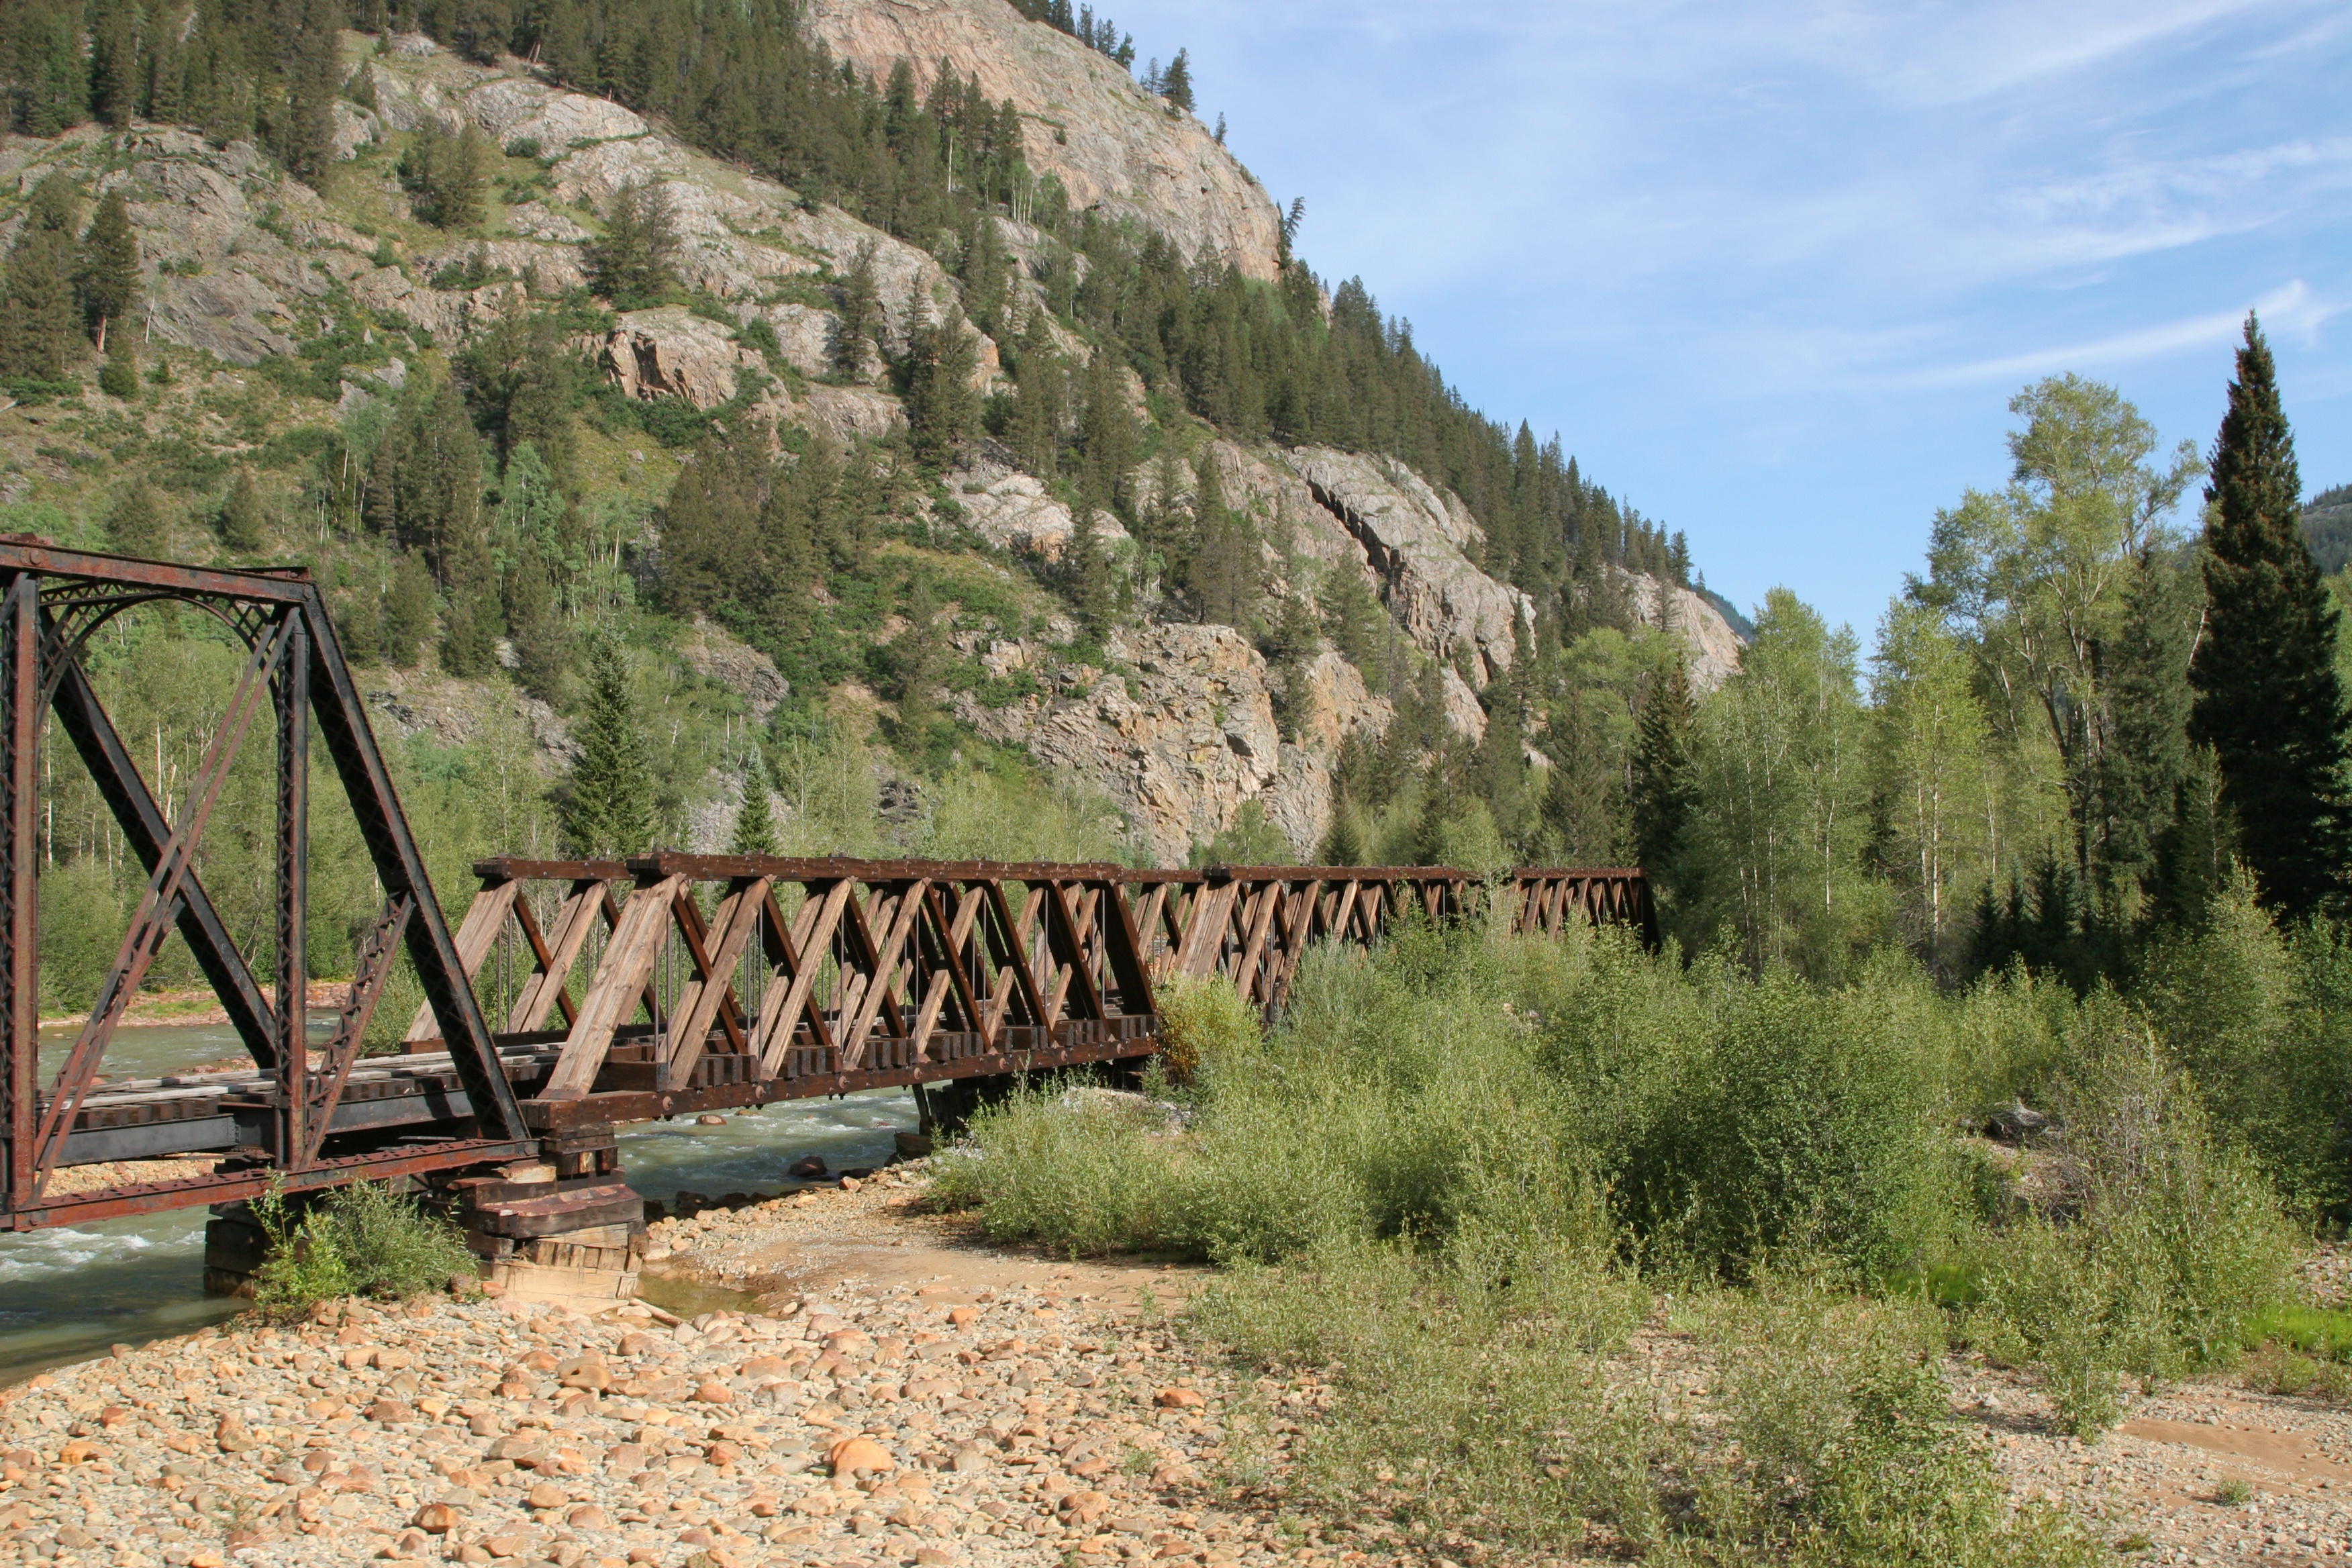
{"type": "Point", "coordinates": [927, 1401]}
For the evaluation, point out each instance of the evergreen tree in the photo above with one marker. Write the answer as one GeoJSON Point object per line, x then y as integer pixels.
{"type": "Point", "coordinates": [1343, 840]}
{"type": "Point", "coordinates": [2145, 762]}
{"type": "Point", "coordinates": [1662, 781]}
{"type": "Point", "coordinates": [858, 326]}
{"type": "Point", "coordinates": [134, 522]}
{"type": "Point", "coordinates": [1176, 84]}
{"type": "Point", "coordinates": [541, 643]}
{"type": "Point", "coordinates": [37, 306]}
{"type": "Point", "coordinates": [942, 405]}
{"type": "Point", "coordinates": [114, 60]}
{"type": "Point", "coordinates": [409, 611]}
{"type": "Point", "coordinates": [118, 377]}
{"type": "Point", "coordinates": [241, 514]}
{"type": "Point", "coordinates": [1034, 429]}
{"type": "Point", "coordinates": [1226, 573]}
{"type": "Point", "coordinates": [755, 827]}
{"type": "Point", "coordinates": [469, 627]}
{"type": "Point", "coordinates": [633, 263]}
{"type": "Point", "coordinates": [307, 144]}
{"type": "Point", "coordinates": [607, 803]}
{"type": "Point", "coordinates": [107, 276]}
{"type": "Point", "coordinates": [447, 177]}
{"type": "Point", "coordinates": [2189, 862]}
{"type": "Point", "coordinates": [2268, 699]}
{"type": "Point", "coordinates": [1108, 440]}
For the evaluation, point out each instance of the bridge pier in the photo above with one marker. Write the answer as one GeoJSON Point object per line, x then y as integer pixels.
{"type": "Point", "coordinates": [565, 1228]}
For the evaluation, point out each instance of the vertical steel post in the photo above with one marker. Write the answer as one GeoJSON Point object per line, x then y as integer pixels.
{"type": "Point", "coordinates": [293, 695]}
{"type": "Point", "coordinates": [20, 736]}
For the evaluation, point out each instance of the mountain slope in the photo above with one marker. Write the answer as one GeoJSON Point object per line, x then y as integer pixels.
{"type": "Point", "coordinates": [1370, 625]}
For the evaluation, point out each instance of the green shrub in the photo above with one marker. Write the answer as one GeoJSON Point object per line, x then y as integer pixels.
{"type": "Point", "coordinates": [1202, 1022]}
{"type": "Point", "coordinates": [1838, 1445]}
{"type": "Point", "coordinates": [364, 1239]}
{"type": "Point", "coordinates": [2165, 1249]}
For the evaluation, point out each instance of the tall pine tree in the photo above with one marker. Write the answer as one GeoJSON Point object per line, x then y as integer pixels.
{"type": "Point", "coordinates": [1663, 786]}
{"type": "Point", "coordinates": [2268, 700]}
{"type": "Point", "coordinates": [607, 804]}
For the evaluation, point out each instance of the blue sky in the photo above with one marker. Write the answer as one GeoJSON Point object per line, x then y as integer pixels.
{"type": "Point", "coordinates": [1774, 271]}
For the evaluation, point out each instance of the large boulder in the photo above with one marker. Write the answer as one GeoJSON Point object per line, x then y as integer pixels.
{"type": "Point", "coordinates": [1013, 510]}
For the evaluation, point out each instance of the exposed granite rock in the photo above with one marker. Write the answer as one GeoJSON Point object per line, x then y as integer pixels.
{"type": "Point", "coordinates": [1185, 735]}
{"type": "Point", "coordinates": [673, 353]}
{"type": "Point", "coordinates": [714, 655]}
{"type": "Point", "coordinates": [1012, 510]}
{"type": "Point", "coordinates": [1120, 148]}
{"type": "Point", "coordinates": [1714, 647]}
{"type": "Point", "coordinates": [1414, 541]}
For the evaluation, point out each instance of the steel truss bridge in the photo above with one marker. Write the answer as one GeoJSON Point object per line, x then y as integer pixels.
{"type": "Point", "coordinates": [574, 996]}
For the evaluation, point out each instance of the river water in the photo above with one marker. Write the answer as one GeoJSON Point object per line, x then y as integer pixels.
{"type": "Point", "coordinates": [67, 1294]}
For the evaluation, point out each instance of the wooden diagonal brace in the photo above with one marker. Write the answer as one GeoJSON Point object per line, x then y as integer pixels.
{"type": "Point", "coordinates": [614, 994]}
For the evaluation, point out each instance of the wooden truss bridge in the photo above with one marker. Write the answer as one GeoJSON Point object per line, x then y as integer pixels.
{"type": "Point", "coordinates": [577, 996]}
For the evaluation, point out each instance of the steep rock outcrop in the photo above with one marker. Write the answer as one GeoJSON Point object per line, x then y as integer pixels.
{"type": "Point", "coordinates": [1714, 647]}
{"type": "Point", "coordinates": [1186, 734]}
{"type": "Point", "coordinates": [1113, 146]}
{"type": "Point", "coordinates": [673, 353]}
{"type": "Point", "coordinates": [1013, 510]}
{"type": "Point", "coordinates": [1414, 540]}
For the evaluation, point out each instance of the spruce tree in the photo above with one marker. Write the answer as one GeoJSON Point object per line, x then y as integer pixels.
{"type": "Point", "coordinates": [633, 263]}
{"type": "Point", "coordinates": [859, 324]}
{"type": "Point", "coordinates": [118, 377]}
{"type": "Point", "coordinates": [1664, 788]}
{"type": "Point", "coordinates": [607, 804]}
{"type": "Point", "coordinates": [2268, 699]}
{"type": "Point", "coordinates": [114, 60]}
{"type": "Point", "coordinates": [241, 515]}
{"type": "Point", "coordinates": [108, 277]}
{"type": "Point", "coordinates": [2144, 761]}
{"type": "Point", "coordinates": [408, 610]}
{"type": "Point", "coordinates": [134, 522]}
{"type": "Point", "coordinates": [1176, 84]}
{"type": "Point", "coordinates": [755, 828]}
{"type": "Point", "coordinates": [37, 306]}
{"type": "Point", "coordinates": [469, 627]}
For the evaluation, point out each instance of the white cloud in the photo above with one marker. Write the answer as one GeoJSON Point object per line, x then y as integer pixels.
{"type": "Point", "coordinates": [2293, 307]}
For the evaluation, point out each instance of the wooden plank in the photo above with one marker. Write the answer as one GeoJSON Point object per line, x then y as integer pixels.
{"type": "Point", "coordinates": [1261, 921]}
{"type": "Point", "coordinates": [1079, 975]}
{"type": "Point", "coordinates": [698, 1002]}
{"type": "Point", "coordinates": [552, 983]}
{"type": "Point", "coordinates": [485, 916]}
{"type": "Point", "coordinates": [928, 1018]}
{"type": "Point", "coordinates": [1204, 930]}
{"type": "Point", "coordinates": [1303, 907]}
{"type": "Point", "coordinates": [613, 991]}
{"type": "Point", "coordinates": [812, 933]}
{"type": "Point", "coordinates": [908, 908]}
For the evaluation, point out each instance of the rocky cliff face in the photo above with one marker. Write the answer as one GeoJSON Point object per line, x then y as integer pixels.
{"type": "Point", "coordinates": [1181, 732]}
{"type": "Point", "coordinates": [1114, 146]}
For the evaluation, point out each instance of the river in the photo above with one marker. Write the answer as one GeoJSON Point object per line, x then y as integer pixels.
{"type": "Point", "coordinates": [67, 1294]}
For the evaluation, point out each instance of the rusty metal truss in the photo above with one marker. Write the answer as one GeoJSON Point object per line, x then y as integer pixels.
{"type": "Point", "coordinates": [578, 995]}
{"type": "Point", "coordinates": [282, 1123]}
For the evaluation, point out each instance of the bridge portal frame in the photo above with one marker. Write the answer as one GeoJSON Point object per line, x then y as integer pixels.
{"type": "Point", "coordinates": [52, 601]}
